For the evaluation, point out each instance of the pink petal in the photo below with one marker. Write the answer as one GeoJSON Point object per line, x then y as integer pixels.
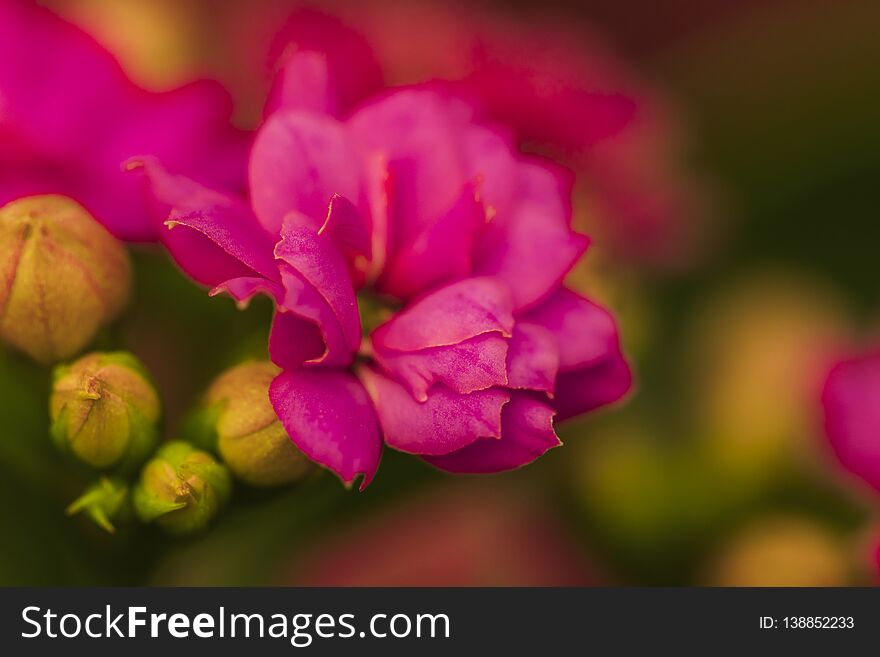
{"type": "Point", "coordinates": [584, 331]}
{"type": "Point", "coordinates": [303, 83]}
{"type": "Point", "coordinates": [474, 364]}
{"type": "Point", "coordinates": [533, 247]}
{"type": "Point", "coordinates": [329, 417]}
{"type": "Point", "coordinates": [346, 226]}
{"type": "Point", "coordinates": [491, 159]}
{"type": "Point", "coordinates": [298, 162]}
{"type": "Point", "coordinates": [851, 400]}
{"type": "Point", "coordinates": [351, 63]}
{"type": "Point", "coordinates": [417, 134]}
{"type": "Point", "coordinates": [447, 421]}
{"type": "Point", "coordinates": [454, 313]}
{"type": "Point", "coordinates": [532, 358]}
{"type": "Point", "coordinates": [526, 433]}
{"type": "Point", "coordinates": [213, 236]}
{"type": "Point", "coordinates": [245, 288]}
{"type": "Point", "coordinates": [316, 258]}
{"type": "Point", "coordinates": [306, 330]}
{"type": "Point", "coordinates": [600, 384]}
{"type": "Point", "coordinates": [440, 253]}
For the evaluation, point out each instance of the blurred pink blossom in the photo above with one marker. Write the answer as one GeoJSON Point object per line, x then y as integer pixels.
{"type": "Point", "coordinates": [851, 400]}
{"type": "Point", "coordinates": [553, 83]}
{"type": "Point", "coordinates": [69, 118]}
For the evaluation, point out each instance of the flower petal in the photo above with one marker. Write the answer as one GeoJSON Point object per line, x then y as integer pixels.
{"type": "Point", "coordinates": [532, 247]}
{"type": "Point", "coordinates": [303, 83]}
{"type": "Point", "coordinates": [532, 358]}
{"type": "Point", "coordinates": [245, 288]}
{"type": "Point", "coordinates": [316, 259]}
{"type": "Point", "coordinates": [213, 236]}
{"type": "Point", "coordinates": [851, 399]}
{"type": "Point", "coordinates": [474, 364]}
{"type": "Point", "coordinates": [417, 134]}
{"type": "Point", "coordinates": [445, 422]}
{"type": "Point", "coordinates": [440, 253]}
{"type": "Point", "coordinates": [600, 384]}
{"type": "Point", "coordinates": [526, 433]}
{"type": "Point", "coordinates": [305, 319]}
{"type": "Point", "coordinates": [298, 162]}
{"type": "Point", "coordinates": [585, 332]}
{"type": "Point", "coordinates": [454, 313]}
{"type": "Point", "coordinates": [329, 417]}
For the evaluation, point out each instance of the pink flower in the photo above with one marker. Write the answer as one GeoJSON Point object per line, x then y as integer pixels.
{"type": "Point", "coordinates": [455, 246]}
{"type": "Point", "coordinates": [69, 117]}
{"type": "Point", "coordinates": [851, 399]}
{"type": "Point", "coordinates": [550, 80]}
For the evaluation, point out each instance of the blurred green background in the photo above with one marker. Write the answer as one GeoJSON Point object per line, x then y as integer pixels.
{"type": "Point", "coordinates": [714, 472]}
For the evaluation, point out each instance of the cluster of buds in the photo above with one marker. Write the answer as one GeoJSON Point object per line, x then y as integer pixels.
{"type": "Point", "coordinates": [67, 277]}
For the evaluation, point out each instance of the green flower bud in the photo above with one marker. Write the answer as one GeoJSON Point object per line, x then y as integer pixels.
{"type": "Point", "coordinates": [181, 489]}
{"type": "Point", "coordinates": [104, 502]}
{"type": "Point", "coordinates": [64, 276]}
{"type": "Point", "coordinates": [249, 436]}
{"type": "Point", "coordinates": [104, 410]}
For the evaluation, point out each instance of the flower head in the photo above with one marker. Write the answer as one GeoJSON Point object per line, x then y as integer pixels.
{"type": "Point", "coordinates": [456, 243]}
{"type": "Point", "coordinates": [65, 276]}
{"type": "Point", "coordinates": [69, 117]}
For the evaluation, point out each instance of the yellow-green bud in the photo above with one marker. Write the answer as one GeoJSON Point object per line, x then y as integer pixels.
{"type": "Point", "coordinates": [104, 410]}
{"type": "Point", "coordinates": [249, 436]}
{"type": "Point", "coordinates": [104, 502]}
{"type": "Point", "coordinates": [181, 489]}
{"type": "Point", "coordinates": [63, 276]}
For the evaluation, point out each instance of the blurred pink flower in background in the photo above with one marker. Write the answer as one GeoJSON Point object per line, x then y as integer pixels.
{"type": "Point", "coordinates": [851, 400]}
{"type": "Point", "coordinates": [69, 117]}
{"type": "Point", "coordinates": [470, 535]}
{"type": "Point", "coordinates": [459, 246]}
{"type": "Point", "coordinates": [553, 83]}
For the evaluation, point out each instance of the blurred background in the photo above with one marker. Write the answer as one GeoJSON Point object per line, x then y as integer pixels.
{"type": "Point", "coordinates": [714, 472]}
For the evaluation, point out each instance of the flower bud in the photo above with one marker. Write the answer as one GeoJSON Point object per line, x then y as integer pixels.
{"type": "Point", "coordinates": [105, 501]}
{"type": "Point", "coordinates": [104, 410]}
{"type": "Point", "coordinates": [181, 489]}
{"type": "Point", "coordinates": [249, 436]}
{"type": "Point", "coordinates": [64, 276]}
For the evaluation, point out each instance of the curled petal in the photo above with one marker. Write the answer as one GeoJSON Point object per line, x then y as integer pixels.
{"type": "Point", "coordinates": [454, 313]}
{"type": "Point", "coordinates": [304, 319]}
{"type": "Point", "coordinates": [526, 433]}
{"type": "Point", "coordinates": [245, 288]}
{"type": "Point", "coordinates": [445, 422]}
{"type": "Point", "coordinates": [851, 400]}
{"type": "Point", "coordinates": [298, 162]}
{"type": "Point", "coordinates": [532, 358]}
{"type": "Point", "coordinates": [600, 384]}
{"type": "Point", "coordinates": [213, 236]}
{"type": "Point", "coordinates": [314, 259]}
{"type": "Point", "coordinates": [532, 247]}
{"type": "Point", "coordinates": [585, 332]}
{"type": "Point", "coordinates": [329, 417]}
{"type": "Point", "coordinates": [474, 364]}
{"type": "Point", "coordinates": [440, 253]}
{"type": "Point", "coordinates": [346, 226]}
